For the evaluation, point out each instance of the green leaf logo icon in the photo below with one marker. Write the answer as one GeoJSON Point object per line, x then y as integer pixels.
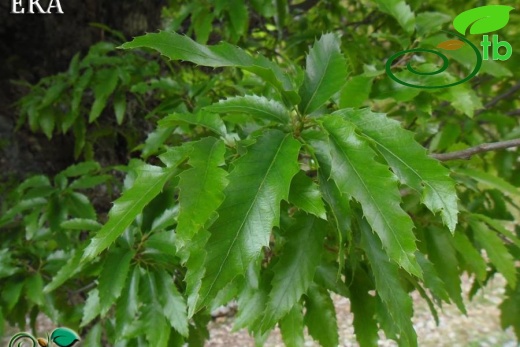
{"type": "Point", "coordinates": [64, 337]}
{"type": "Point", "coordinates": [482, 19]}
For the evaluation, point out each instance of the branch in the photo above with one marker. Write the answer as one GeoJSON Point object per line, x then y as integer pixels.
{"type": "Point", "coordinates": [498, 98]}
{"type": "Point", "coordinates": [469, 152]}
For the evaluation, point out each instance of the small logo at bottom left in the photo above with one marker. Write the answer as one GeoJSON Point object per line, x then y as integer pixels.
{"type": "Point", "coordinates": [61, 337]}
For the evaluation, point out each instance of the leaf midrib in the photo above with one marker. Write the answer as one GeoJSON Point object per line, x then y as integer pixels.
{"type": "Point", "coordinates": [240, 229]}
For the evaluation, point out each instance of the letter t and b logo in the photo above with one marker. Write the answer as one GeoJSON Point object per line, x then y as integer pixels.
{"type": "Point", "coordinates": [495, 45]}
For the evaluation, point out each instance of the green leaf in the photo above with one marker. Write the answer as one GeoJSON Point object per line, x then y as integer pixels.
{"type": "Point", "coordinates": [81, 169]}
{"type": "Point", "coordinates": [251, 300]}
{"type": "Point", "coordinates": [496, 251]}
{"type": "Point", "coordinates": [93, 338]}
{"type": "Point", "coordinates": [483, 19]}
{"type": "Point", "coordinates": [432, 280]}
{"type": "Point", "coordinates": [113, 277]}
{"type": "Point", "coordinates": [6, 263]}
{"type": "Point", "coordinates": [305, 194]}
{"type": "Point", "coordinates": [201, 188]}
{"type": "Point", "coordinates": [257, 106]}
{"type": "Point", "coordinates": [80, 206]}
{"type": "Point", "coordinates": [510, 310]}
{"type": "Point", "coordinates": [87, 182]}
{"type": "Point", "coordinates": [104, 85]}
{"type": "Point", "coordinates": [356, 91]}
{"type": "Point", "coordinates": [497, 225]}
{"type": "Point", "coordinates": [490, 181]}
{"type": "Point", "coordinates": [363, 306]}
{"type": "Point", "coordinates": [443, 256]}
{"type": "Point", "coordinates": [71, 267]}
{"type": "Point", "coordinates": [358, 174]}
{"type": "Point", "coordinates": [462, 98]}
{"type": "Point", "coordinates": [410, 162]}
{"type": "Point", "coordinates": [325, 74]}
{"type": "Point", "coordinates": [202, 24]}
{"type": "Point", "coordinates": [388, 285]}
{"type": "Point", "coordinates": [120, 106]}
{"type": "Point", "coordinates": [259, 181]}
{"type": "Point", "coordinates": [294, 271]}
{"type": "Point", "coordinates": [172, 302]}
{"type": "Point", "coordinates": [64, 337]}
{"type": "Point", "coordinates": [178, 47]}
{"type": "Point", "coordinates": [208, 120]}
{"type": "Point", "coordinates": [148, 184]}
{"type": "Point", "coordinates": [400, 10]}
{"type": "Point", "coordinates": [239, 17]}
{"type": "Point", "coordinates": [157, 328]}
{"type": "Point", "coordinates": [34, 289]}
{"type": "Point", "coordinates": [155, 140]}
{"type": "Point", "coordinates": [428, 22]}
{"type": "Point", "coordinates": [128, 304]}
{"type": "Point", "coordinates": [92, 308]}
{"type": "Point", "coordinates": [470, 255]}
{"type": "Point", "coordinates": [291, 327]}
{"type": "Point", "coordinates": [47, 121]}
{"type": "Point", "coordinates": [320, 317]}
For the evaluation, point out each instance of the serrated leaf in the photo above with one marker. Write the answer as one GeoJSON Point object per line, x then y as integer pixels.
{"type": "Point", "coordinates": [155, 140]}
{"type": "Point", "coordinates": [81, 169]}
{"type": "Point", "coordinates": [87, 182]}
{"type": "Point", "coordinates": [93, 338]}
{"type": "Point", "coordinates": [388, 286]}
{"type": "Point", "coordinates": [157, 328]}
{"type": "Point", "coordinates": [483, 19]}
{"type": "Point", "coordinates": [178, 47]}
{"type": "Point", "coordinates": [70, 268]}
{"type": "Point", "coordinates": [442, 254]}
{"type": "Point", "coordinates": [510, 310]}
{"type": "Point", "coordinates": [104, 85]}
{"type": "Point", "coordinates": [201, 187]}
{"type": "Point", "coordinates": [432, 280]}
{"type": "Point", "coordinates": [205, 119]}
{"type": "Point", "coordinates": [172, 302]}
{"type": "Point", "coordinates": [79, 206]}
{"type": "Point", "coordinates": [251, 300]}
{"type": "Point", "coordinates": [257, 106]}
{"type": "Point", "coordinates": [113, 277]}
{"type": "Point", "coordinates": [91, 309]}
{"type": "Point", "coordinates": [291, 327]}
{"type": "Point", "coordinates": [34, 289]}
{"type": "Point", "coordinates": [259, 181]}
{"type": "Point", "coordinates": [400, 10]}
{"type": "Point", "coordinates": [320, 317]}
{"type": "Point", "coordinates": [294, 271]}
{"type": "Point", "coordinates": [357, 174]}
{"type": "Point", "coordinates": [428, 22]}
{"type": "Point", "coordinates": [128, 303]}
{"type": "Point", "coordinates": [148, 184]}
{"type": "Point", "coordinates": [471, 255]}
{"type": "Point", "coordinates": [356, 91]}
{"type": "Point", "coordinates": [305, 194]}
{"type": "Point", "coordinates": [496, 251]}
{"type": "Point", "coordinates": [490, 181]}
{"type": "Point", "coordinates": [363, 306]}
{"type": "Point", "coordinates": [410, 162]}
{"type": "Point", "coordinates": [325, 74]}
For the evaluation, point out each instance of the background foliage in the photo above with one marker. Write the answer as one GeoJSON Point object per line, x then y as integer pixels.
{"type": "Point", "coordinates": [265, 157]}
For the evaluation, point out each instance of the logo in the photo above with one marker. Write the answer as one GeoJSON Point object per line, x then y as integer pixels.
{"type": "Point", "coordinates": [61, 337]}
{"type": "Point", "coordinates": [34, 6]}
{"type": "Point", "coordinates": [480, 20]}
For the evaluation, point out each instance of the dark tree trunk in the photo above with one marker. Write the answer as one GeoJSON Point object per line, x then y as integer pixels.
{"type": "Point", "coordinates": [35, 45]}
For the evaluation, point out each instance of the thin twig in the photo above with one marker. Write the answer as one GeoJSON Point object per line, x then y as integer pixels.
{"type": "Point", "coordinates": [469, 152]}
{"type": "Point", "coordinates": [498, 98]}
